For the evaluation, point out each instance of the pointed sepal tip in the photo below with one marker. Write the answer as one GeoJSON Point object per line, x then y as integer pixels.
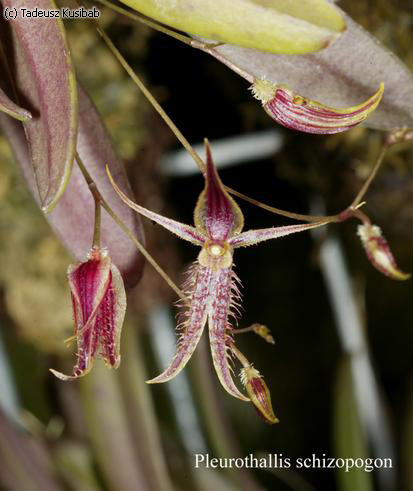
{"type": "Point", "coordinates": [296, 112]}
{"type": "Point", "coordinates": [379, 253]}
{"type": "Point", "coordinates": [258, 392]}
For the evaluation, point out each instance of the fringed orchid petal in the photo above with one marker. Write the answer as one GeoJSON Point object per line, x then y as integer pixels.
{"type": "Point", "coordinates": [110, 318]}
{"type": "Point", "coordinates": [193, 323]}
{"type": "Point", "coordinates": [218, 331]}
{"type": "Point", "coordinates": [298, 113]}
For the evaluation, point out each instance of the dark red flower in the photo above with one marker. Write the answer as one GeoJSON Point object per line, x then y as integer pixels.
{"type": "Point", "coordinates": [99, 304]}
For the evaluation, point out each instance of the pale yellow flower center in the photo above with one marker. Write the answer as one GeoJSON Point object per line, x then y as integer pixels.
{"type": "Point", "coordinates": [216, 250]}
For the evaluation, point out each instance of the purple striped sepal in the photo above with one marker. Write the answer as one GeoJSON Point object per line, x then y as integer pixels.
{"type": "Point", "coordinates": [99, 304]}
{"type": "Point", "coordinates": [378, 251]}
{"type": "Point", "coordinates": [216, 215]}
{"type": "Point", "coordinates": [293, 111]}
{"type": "Point", "coordinates": [258, 393]}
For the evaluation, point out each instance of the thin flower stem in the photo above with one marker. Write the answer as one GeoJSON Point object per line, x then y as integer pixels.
{"type": "Point", "coordinates": [128, 232]}
{"type": "Point", "coordinates": [243, 329]}
{"type": "Point", "coordinates": [372, 175]}
{"type": "Point", "coordinates": [96, 231]}
{"type": "Point", "coordinates": [159, 27]}
{"type": "Point", "coordinates": [152, 100]}
{"type": "Point", "coordinates": [339, 217]}
{"type": "Point", "coordinates": [258, 329]}
{"type": "Point", "coordinates": [235, 68]}
{"type": "Point", "coordinates": [244, 362]}
{"type": "Point", "coordinates": [277, 211]}
{"type": "Point", "coordinates": [361, 216]}
{"type": "Point", "coordinates": [188, 147]}
{"type": "Point", "coordinates": [207, 47]}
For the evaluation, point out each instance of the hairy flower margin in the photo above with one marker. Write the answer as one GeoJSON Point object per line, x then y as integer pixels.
{"type": "Point", "coordinates": [99, 304]}
{"type": "Point", "coordinates": [212, 288]}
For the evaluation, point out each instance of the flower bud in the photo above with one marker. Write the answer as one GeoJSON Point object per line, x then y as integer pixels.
{"type": "Point", "coordinates": [258, 393]}
{"type": "Point", "coordinates": [378, 251]}
{"type": "Point", "coordinates": [263, 332]}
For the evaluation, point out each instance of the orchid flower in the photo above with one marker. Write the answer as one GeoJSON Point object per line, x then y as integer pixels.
{"type": "Point", "coordinates": [212, 288]}
{"type": "Point", "coordinates": [99, 304]}
{"type": "Point", "coordinates": [378, 251]}
{"type": "Point", "coordinates": [293, 111]}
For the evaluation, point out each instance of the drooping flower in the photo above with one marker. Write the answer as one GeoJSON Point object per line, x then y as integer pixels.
{"type": "Point", "coordinates": [378, 251]}
{"type": "Point", "coordinates": [212, 288]}
{"type": "Point", "coordinates": [99, 304]}
{"type": "Point", "coordinates": [292, 110]}
{"type": "Point", "coordinates": [258, 393]}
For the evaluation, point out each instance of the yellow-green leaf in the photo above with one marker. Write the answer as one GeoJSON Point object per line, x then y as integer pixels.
{"type": "Point", "coordinates": [277, 26]}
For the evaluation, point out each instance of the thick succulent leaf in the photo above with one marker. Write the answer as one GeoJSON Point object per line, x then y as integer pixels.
{"type": "Point", "coordinates": [44, 78]}
{"type": "Point", "coordinates": [73, 217]}
{"type": "Point", "coordinates": [12, 109]}
{"type": "Point", "coordinates": [217, 216]}
{"type": "Point", "coordinates": [342, 75]}
{"type": "Point", "coordinates": [298, 113]}
{"type": "Point", "coordinates": [277, 26]}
